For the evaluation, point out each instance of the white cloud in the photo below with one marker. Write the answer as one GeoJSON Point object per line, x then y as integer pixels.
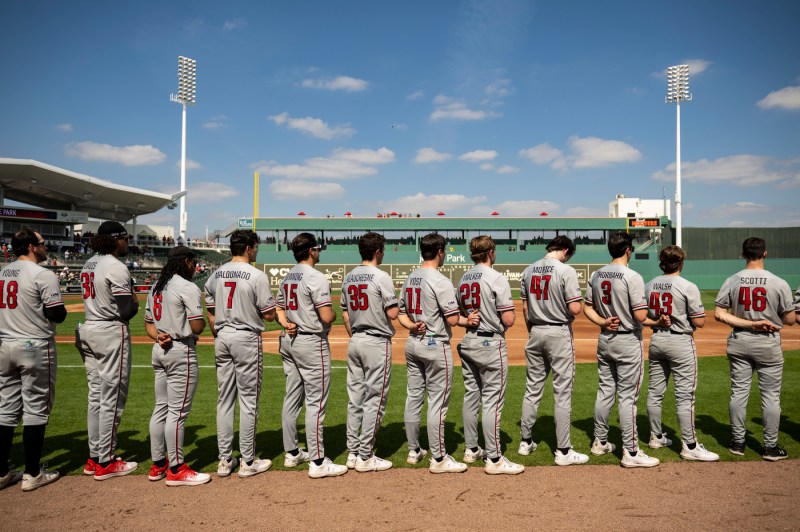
{"type": "Point", "coordinates": [234, 24]}
{"type": "Point", "coordinates": [190, 165]}
{"type": "Point", "coordinates": [313, 126]}
{"type": "Point", "coordinates": [283, 189]}
{"type": "Point", "coordinates": [477, 156]}
{"type": "Point", "coordinates": [592, 152]}
{"type": "Point", "coordinates": [209, 192]}
{"type": "Point", "coordinates": [740, 170]}
{"type": "Point", "coordinates": [136, 155]}
{"type": "Point", "coordinates": [507, 169]}
{"type": "Point", "coordinates": [459, 111]}
{"type": "Point", "coordinates": [487, 166]}
{"type": "Point", "coordinates": [416, 95]}
{"type": "Point", "coordinates": [544, 154]}
{"type": "Point", "coordinates": [429, 205]}
{"type": "Point", "coordinates": [787, 98]}
{"type": "Point", "coordinates": [441, 99]}
{"type": "Point", "coordinates": [524, 207]}
{"type": "Point", "coordinates": [750, 214]}
{"type": "Point", "coordinates": [216, 122]}
{"type": "Point", "coordinates": [67, 128]}
{"type": "Point", "coordinates": [340, 83]}
{"type": "Point", "coordinates": [500, 88]}
{"type": "Point", "coordinates": [340, 165]}
{"type": "Point", "coordinates": [429, 155]}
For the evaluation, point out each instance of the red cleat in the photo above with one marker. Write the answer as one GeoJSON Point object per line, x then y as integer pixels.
{"type": "Point", "coordinates": [90, 467]}
{"type": "Point", "coordinates": [186, 477]}
{"type": "Point", "coordinates": [157, 473]}
{"type": "Point", "coordinates": [117, 468]}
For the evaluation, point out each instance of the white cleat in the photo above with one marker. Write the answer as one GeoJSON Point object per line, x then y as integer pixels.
{"type": "Point", "coordinates": [294, 460]}
{"type": "Point", "coordinates": [373, 463]}
{"type": "Point", "coordinates": [640, 460]}
{"type": "Point", "coordinates": [326, 469]}
{"type": "Point", "coordinates": [352, 458]}
{"type": "Point", "coordinates": [599, 449]}
{"type": "Point", "coordinates": [526, 448]}
{"type": "Point", "coordinates": [448, 464]}
{"type": "Point", "coordinates": [45, 477]}
{"type": "Point", "coordinates": [572, 457]}
{"type": "Point", "coordinates": [699, 453]}
{"type": "Point", "coordinates": [415, 457]}
{"type": "Point", "coordinates": [226, 467]}
{"type": "Point", "coordinates": [258, 466]}
{"type": "Point", "coordinates": [503, 466]}
{"type": "Point", "coordinates": [471, 456]}
{"type": "Point", "coordinates": [658, 443]}
{"type": "Point", "coordinates": [12, 477]}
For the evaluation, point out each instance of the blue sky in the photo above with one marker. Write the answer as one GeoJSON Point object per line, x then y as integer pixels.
{"type": "Point", "coordinates": [370, 106]}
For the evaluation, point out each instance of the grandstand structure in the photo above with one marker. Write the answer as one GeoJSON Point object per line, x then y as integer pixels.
{"type": "Point", "coordinates": [714, 253]}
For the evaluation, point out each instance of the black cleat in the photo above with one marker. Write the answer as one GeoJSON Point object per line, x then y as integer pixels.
{"type": "Point", "coordinates": [773, 454]}
{"type": "Point", "coordinates": [736, 447]}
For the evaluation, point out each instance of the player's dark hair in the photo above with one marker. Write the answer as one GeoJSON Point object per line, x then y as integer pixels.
{"type": "Point", "coordinates": [301, 246]}
{"type": "Point", "coordinates": [618, 243]}
{"type": "Point", "coordinates": [104, 244]}
{"type": "Point", "coordinates": [671, 259]}
{"type": "Point", "coordinates": [369, 244]}
{"type": "Point", "coordinates": [21, 240]}
{"type": "Point", "coordinates": [175, 265]}
{"type": "Point", "coordinates": [431, 245]}
{"type": "Point", "coordinates": [480, 247]}
{"type": "Point", "coordinates": [562, 242]}
{"type": "Point", "coordinates": [240, 239]}
{"type": "Point", "coordinates": [754, 248]}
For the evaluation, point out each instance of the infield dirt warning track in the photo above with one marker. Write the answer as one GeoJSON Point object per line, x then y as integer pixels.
{"type": "Point", "coordinates": [710, 340]}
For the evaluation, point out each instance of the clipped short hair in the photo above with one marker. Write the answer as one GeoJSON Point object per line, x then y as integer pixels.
{"type": "Point", "coordinates": [671, 259]}
{"type": "Point", "coordinates": [618, 243]}
{"type": "Point", "coordinates": [430, 245]}
{"type": "Point", "coordinates": [480, 247]}
{"type": "Point", "coordinates": [22, 239]}
{"type": "Point", "coordinates": [369, 244]}
{"type": "Point", "coordinates": [301, 244]}
{"type": "Point", "coordinates": [562, 242]}
{"type": "Point", "coordinates": [754, 248]}
{"type": "Point", "coordinates": [240, 239]}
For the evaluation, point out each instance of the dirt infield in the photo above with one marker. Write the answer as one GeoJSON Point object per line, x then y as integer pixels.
{"type": "Point", "coordinates": [682, 496]}
{"type": "Point", "coordinates": [710, 340]}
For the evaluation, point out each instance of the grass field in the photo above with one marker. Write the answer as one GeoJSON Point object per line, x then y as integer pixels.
{"type": "Point", "coordinates": [66, 450]}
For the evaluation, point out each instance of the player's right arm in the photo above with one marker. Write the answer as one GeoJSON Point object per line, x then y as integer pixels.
{"type": "Point", "coordinates": [610, 324]}
{"type": "Point", "coordinates": [50, 293]}
{"type": "Point", "coordinates": [326, 314]}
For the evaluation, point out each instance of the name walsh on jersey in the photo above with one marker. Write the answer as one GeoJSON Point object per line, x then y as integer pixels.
{"type": "Point", "coordinates": [662, 286]}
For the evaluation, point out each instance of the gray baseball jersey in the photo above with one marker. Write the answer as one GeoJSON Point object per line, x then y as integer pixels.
{"type": "Point", "coordinates": [486, 289]}
{"type": "Point", "coordinates": [366, 294]}
{"type": "Point", "coordinates": [25, 290]}
{"type": "Point", "coordinates": [428, 296]}
{"type": "Point", "coordinates": [303, 290]}
{"type": "Point", "coordinates": [616, 290]}
{"type": "Point", "coordinates": [549, 286]}
{"type": "Point", "coordinates": [173, 308]}
{"type": "Point", "coordinates": [238, 293]}
{"type": "Point", "coordinates": [797, 301]}
{"type": "Point", "coordinates": [676, 297]}
{"type": "Point", "coordinates": [102, 278]}
{"type": "Point", "coordinates": [756, 295]}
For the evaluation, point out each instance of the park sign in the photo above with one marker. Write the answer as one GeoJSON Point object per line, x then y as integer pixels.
{"type": "Point", "coordinates": [245, 223]}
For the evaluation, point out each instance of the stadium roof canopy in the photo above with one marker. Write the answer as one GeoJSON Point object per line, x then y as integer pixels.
{"type": "Point", "coordinates": [49, 187]}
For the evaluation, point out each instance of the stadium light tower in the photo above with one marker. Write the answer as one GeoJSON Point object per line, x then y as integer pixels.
{"type": "Point", "coordinates": [677, 92]}
{"type": "Point", "coordinates": [187, 89]}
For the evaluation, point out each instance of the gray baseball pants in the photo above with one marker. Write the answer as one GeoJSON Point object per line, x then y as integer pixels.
{"type": "Point", "coordinates": [106, 350]}
{"type": "Point", "coordinates": [673, 354]}
{"type": "Point", "coordinates": [307, 366]}
{"type": "Point", "coordinates": [760, 353]}
{"type": "Point", "coordinates": [369, 371]}
{"type": "Point", "coordinates": [484, 364]}
{"type": "Point", "coordinates": [27, 381]}
{"type": "Point", "coordinates": [429, 367]}
{"type": "Point", "coordinates": [175, 384]}
{"type": "Point", "coordinates": [549, 348]}
{"type": "Point", "coordinates": [238, 359]}
{"type": "Point", "coordinates": [620, 367]}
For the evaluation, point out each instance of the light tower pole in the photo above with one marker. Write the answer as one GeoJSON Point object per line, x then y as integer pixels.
{"type": "Point", "coordinates": [677, 92]}
{"type": "Point", "coordinates": [187, 91]}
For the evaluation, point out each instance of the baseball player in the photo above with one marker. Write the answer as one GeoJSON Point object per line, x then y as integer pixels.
{"type": "Point", "coordinates": [672, 352]}
{"type": "Point", "coordinates": [756, 304]}
{"type": "Point", "coordinates": [104, 342]}
{"type": "Point", "coordinates": [484, 355]}
{"type": "Point", "coordinates": [306, 313]}
{"type": "Point", "coordinates": [551, 298]}
{"type": "Point", "coordinates": [238, 300]}
{"type": "Point", "coordinates": [369, 304]}
{"type": "Point", "coordinates": [30, 306]}
{"type": "Point", "coordinates": [173, 317]}
{"type": "Point", "coordinates": [428, 309]}
{"type": "Point", "coordinates": [615, 302]}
